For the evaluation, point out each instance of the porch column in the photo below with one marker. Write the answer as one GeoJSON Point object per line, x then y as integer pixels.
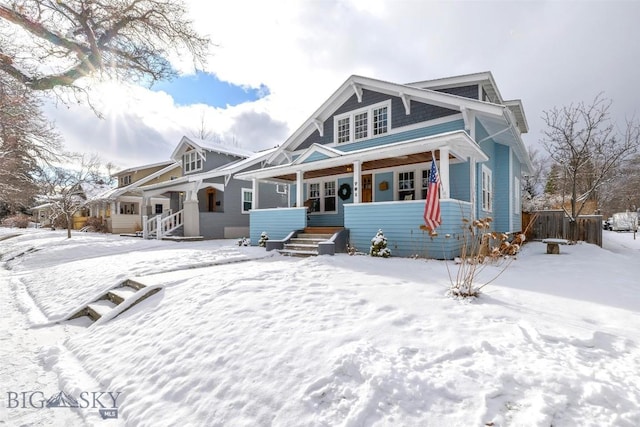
{"type": "Point", "coordinates": [472, 183]}
{"type": "Point", "coordinates": [256, 199]}
{"type": "Point", "coordinates": [444, 172]}
{"type": "Point", "coordinates": [357, 172]}
{"type": "Point", "coordinates": [299, 188]}
{"type": "Point", "coordinates": [191, 220]}
{"type": "Point", "coordinates": [112, 209]}
{"type": "Point", "coordinates": [145, 209]}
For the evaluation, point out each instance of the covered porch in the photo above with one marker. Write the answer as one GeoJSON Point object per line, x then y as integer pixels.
{"type": "Point", "coordinates": [184, 206]}
{"type": "Point", "coordinates": [376, 188]}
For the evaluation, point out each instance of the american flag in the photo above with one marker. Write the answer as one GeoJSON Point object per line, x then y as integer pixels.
{"type": "Point", "coordinates": [432, 204]}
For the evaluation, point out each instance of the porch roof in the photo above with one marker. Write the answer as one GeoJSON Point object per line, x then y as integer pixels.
{"type": "Point", "coordinates": [461, 146]}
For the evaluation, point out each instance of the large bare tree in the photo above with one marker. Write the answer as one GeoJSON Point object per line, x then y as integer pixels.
{"type": "Point", "coordinates": [588, 146]}
{"type": "Point", "coordinates": [27, 142]}
{"type": "Point", "coordinates": [46, 44]}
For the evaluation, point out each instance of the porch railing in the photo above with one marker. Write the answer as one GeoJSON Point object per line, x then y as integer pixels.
{"type": "Point", "coordinates": [168, 224]}
{"type": "Point", "coordinates": [151, 225]}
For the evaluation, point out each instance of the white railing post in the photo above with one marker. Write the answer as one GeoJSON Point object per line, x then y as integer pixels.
{"type": "Point", "coordinates": [159, 227]}
{"type": "Point", "coordinates": [145, 227]}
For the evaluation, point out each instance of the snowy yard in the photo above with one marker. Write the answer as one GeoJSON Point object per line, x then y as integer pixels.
{"type": "Point", "coordinates": [242, 337]}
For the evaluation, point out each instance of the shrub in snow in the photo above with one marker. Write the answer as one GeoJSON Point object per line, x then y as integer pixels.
{"type": "Point", "coordinates": [18, 221]}
{"type": "Point", "coordinates": [480, 248]}
{"type": "Point", "coordinates": [263, 239]}
{"type": "Point", "coordinates": [95, 224]}
{"type": "Point", "coordinates": [379, 246]}
{"type": "Point", "coordinates": [244, 242]}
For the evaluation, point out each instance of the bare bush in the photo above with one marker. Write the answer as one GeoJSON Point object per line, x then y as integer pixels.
{"type": "Point", "coordinates": [17, 221]}
{"type": "Point", "coordinates": [480, 249]}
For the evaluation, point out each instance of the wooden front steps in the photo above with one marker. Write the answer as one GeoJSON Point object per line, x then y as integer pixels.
{"type": "Point", "coordinates": [306, 244]}
{"type": "Point", "coordinates": [128, 291]}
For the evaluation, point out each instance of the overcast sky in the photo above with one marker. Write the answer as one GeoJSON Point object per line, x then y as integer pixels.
{"type": "Point", "coordinates": [291, 56]}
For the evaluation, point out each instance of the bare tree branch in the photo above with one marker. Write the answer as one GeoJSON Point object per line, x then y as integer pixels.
{"type": "Point", "coordinates": [582, 139]}
{"type": "Point", "coordinates": [124, 39]}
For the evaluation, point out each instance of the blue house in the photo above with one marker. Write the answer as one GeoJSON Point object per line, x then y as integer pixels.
{"type": "Point", "coordinates": [361, 163]}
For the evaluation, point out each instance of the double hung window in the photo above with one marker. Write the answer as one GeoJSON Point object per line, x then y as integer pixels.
{"type": "Point", "coordinates": [487, 190]}
{"type": "Point", "coordinates": [247, 200]}
{"type": "Point", "coordinates": [322, 196]}
{"type": "Point", "coordinates": [191, 161]}
{"type": "Point", "coordinates": [363, 123]}
{"type": "Point", "coordinates": [406, 185]}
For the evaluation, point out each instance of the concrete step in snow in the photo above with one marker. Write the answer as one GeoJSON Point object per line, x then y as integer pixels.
{"type": "Point", "coordinates": [109, 300]}
{"type": "Point", "coordinates": [301, 247]}
{"type": "Point", "coordinates": [298, 241]}
{"type": "Point", "coordinates": [298, 252]}
{"type": "Point", "coordinates": [101, 307]}
{"type": "Point", "coordinates": [314, 236]}
{"type": "Point", "coordinates": [118, 295]}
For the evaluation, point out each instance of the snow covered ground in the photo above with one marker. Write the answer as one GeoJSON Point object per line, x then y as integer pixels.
{"type": "Point", "coordinates": [241, 337]}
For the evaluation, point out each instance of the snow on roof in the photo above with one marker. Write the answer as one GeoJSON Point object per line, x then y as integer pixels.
{"type": "Point", "coordinates": [217, 147]}
{"type": "Point", "coordinates": [141, 167]}
{"type": "Point", "coordinates": [94, 190]}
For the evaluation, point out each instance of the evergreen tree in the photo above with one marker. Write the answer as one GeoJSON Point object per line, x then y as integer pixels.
{"type": "Point", "coordinates": [379, 246]}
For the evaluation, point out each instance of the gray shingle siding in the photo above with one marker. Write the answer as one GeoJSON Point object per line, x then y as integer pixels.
{"type": "Point", "coordinates": [470, 91]}
{"type": "Point", "coordinates": [419, 113]}
{"type": "Point", "coordinates": [215, 160]}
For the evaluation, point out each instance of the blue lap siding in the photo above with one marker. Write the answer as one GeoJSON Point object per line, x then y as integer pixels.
{"type": "Point", "coordinates": [400, 223]}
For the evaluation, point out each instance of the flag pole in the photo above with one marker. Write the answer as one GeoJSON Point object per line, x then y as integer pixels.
{"type": "Point", "coordinates": [433, 159]}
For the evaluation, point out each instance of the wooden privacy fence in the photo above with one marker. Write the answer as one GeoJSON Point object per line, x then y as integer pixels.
{"type": "Point", "coordinates": [556, 225]}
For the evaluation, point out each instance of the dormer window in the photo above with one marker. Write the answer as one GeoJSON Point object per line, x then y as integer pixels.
{"type": "Point", "coordinates": [191, 161]}
{"type": "Point", "coordinates": [125, 180]}
{"type": "Point", "coordinates": [363, 123]}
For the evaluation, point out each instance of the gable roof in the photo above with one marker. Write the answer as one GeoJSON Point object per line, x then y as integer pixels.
{"type": "Point", "coordinates": [201, 145]}
{"type": "Point", "coordinates": [114, 193]}
{"type": "Point", "coordinates": [225, 170]}
{"type": "Point", "coordinates": [509, 114]}
{"type": "Point", "coordinates": [355, 84]}
{"type": "Point", "coordinates": [142, 167]}
{"type": "Point", "coordinates": [318, 151]}
{"type": "Point", "coordinates": [487, 82]}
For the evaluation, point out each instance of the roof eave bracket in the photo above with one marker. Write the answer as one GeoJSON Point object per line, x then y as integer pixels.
{"type": "Point", "coordinates": [358, 90]}
{"type": "Point", "coordinates": [318, 125]}
{"type": "Point", "coordinates": [466, 117]}
{"type": "Point", "coordinates": [406, 101]}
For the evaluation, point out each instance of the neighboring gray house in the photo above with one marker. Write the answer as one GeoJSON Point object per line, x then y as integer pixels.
{"type": "Point", "coordinates": [206, 200]}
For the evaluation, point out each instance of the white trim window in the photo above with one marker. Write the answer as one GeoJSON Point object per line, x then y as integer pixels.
{"type": "Point", "coordinates": [362, 123]}
{"type": "Point", "coordinates": [282, 189]}
{"type": "Point", "coordinates": [517, 194]}
{"type": "Point", "coordinates": [322, 196]}
{"type": "Point", "coordinates": [314, 197]}
{"type": "Point", "coordinates": [329, 196]}
{"type": "Point", "coordinates": [426, 175]}
{"type": "Point", "coordinates": [487, 189]}
{"type": "Point", "coordinates": [125, 180]}
{"type": "Point", "coordinates": [191, 161]}
{"type": "Point", "coordinates": [406, 185]}
{"type": "Point", "coordinates": [343, 129]}
{"type": "Point", "coordinates": [247, 200]}
{"type": "Point", "coordinates": [380, 120]}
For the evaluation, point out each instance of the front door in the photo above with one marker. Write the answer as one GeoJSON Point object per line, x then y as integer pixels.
{"type": "Point", "coordinates": [211, 200]}
{"type": "Point", "coordinates": [366, 189]}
